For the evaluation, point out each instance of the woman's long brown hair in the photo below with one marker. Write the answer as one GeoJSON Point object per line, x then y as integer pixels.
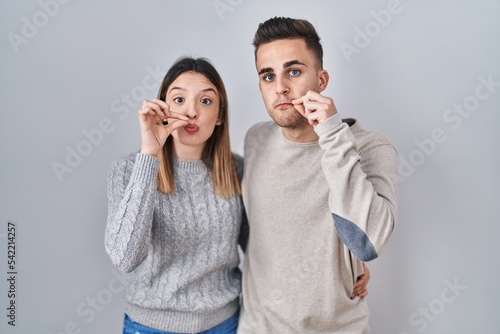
{"type": "Point", "coordinates": [217, 154]}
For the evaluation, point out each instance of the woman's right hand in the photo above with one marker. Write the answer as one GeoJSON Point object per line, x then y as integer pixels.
{"type": "Point", "coordinates": [154, 132]}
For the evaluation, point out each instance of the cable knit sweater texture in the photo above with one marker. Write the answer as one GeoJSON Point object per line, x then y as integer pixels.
{"type": "Point", "coordinates": [180, 249]}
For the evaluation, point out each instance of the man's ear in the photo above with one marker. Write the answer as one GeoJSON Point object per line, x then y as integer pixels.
{"type": "Point", "coordinates": [323, 78]}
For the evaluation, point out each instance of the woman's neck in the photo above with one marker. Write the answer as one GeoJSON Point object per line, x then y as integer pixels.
{"type": "Point", "coordinates": [188, 152]}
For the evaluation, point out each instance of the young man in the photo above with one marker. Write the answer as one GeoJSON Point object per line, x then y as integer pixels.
{"type": "Point", "coordinates": [319, 191]}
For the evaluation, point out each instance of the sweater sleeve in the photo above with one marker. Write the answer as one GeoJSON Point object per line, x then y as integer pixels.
{"type": "Point", "coordinates": [363, 187]}
{"type": "Point", "coordinates": [244, 227]}
{"type": "Point", "coordinates": [131, 197]}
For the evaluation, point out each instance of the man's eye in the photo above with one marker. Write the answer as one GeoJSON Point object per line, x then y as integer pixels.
{"type": "Point", "coordinates": [268, 77]}
{"type": "Point", "coordinates": [206, 101]}
{"type": "Point", "coordinates": [178, 100]}
{"type": "Point", "coordinates": [294, 73]}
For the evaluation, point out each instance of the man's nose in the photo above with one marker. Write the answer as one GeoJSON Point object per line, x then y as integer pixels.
{"type": "Point", "coordinates": [282, 86]}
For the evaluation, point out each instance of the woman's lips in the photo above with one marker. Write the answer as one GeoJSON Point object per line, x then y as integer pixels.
{"type": "Point", "coordinates": [191, 128]}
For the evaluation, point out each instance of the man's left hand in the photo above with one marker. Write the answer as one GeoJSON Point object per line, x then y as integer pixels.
{"type": "Point", "coordinates": [315, 107]}
{"type": "Point", "coordinates": [361, 284]}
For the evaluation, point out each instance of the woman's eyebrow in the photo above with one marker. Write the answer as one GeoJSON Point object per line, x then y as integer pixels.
{"type": "Point", "coordinates": [176, 87]}
{"type": "Point", "coordinates": [210, 90]}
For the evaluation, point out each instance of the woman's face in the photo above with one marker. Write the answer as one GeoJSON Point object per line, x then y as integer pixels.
{"type": "Point", "coordinates": [194, 96]}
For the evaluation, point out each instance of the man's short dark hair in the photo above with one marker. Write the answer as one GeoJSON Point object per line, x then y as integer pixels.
{"type": "Point", "coordinates": [278, 28]}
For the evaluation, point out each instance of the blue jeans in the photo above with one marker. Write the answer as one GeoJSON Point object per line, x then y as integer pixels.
{"type": "Point", "coordinates": [228, 326]}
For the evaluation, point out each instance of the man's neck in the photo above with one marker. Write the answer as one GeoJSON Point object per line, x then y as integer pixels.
{"type": "Point", "coordinates": [304, 134]}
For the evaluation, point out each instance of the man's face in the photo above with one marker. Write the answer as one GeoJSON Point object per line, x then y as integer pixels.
{"type": "Point", "coordinates": [287, 70]}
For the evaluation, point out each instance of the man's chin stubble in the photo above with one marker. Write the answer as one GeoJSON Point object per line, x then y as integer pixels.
{"type": "Point", "coordinates": [291, 122]}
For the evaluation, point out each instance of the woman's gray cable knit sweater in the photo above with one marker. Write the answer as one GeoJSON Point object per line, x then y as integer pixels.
{"type": "Point", "coordinates": [180, 249]}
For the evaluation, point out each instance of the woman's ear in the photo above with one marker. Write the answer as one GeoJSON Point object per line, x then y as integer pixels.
{"type": "Point", "coordinates": [218, 122]}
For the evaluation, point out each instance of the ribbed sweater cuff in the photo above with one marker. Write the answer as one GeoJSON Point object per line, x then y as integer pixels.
{"type": "Point", "coordinates": [328, 125]}
{"type": "Point", "coordinates": [145, 169]}
{"type": "Point", "coordinates": [179, 321]}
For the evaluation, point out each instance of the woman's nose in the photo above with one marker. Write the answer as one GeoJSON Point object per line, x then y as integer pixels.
{"type": "Point", "coordinates": [192, 113]}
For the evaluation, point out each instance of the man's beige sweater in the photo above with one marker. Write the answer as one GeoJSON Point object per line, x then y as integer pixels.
{"type": "Point", "coordinates": [316, 210]}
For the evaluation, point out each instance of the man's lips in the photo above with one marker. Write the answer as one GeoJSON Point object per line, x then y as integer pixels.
{"type": "Point", "coordinates": [191, 128]}
{"type": "Point", "coordinates": [284, 105]}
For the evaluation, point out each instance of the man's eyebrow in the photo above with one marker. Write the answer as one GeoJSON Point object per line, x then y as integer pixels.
{"type": "Point", "coordinates": [285, 65]}
{"type": "Point", "coordinates": [293, 62]}
{"type": "Point", "coordinates": [266, 70]}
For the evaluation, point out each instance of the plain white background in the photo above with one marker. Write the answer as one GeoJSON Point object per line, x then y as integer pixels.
{"type": "Point", "coordinates": [74, 72]}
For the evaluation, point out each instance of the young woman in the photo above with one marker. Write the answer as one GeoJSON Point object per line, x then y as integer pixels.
{"type": "Point", "coordinates": [175, 210]}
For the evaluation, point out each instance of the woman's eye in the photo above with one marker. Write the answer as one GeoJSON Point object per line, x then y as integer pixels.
{"type": "Point", "coordinates": [294, 73]}
{"type": "Point", "coordinates": [178, 99]}
{"type": "Point", "coordinates": [206, 101]}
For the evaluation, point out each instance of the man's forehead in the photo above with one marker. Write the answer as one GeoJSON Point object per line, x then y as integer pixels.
{"type": "Point", "coordinates": [283, 53]}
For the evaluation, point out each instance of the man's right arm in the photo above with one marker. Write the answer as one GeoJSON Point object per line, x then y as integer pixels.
{"type": "Point", "coordinates": [364, 188]}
